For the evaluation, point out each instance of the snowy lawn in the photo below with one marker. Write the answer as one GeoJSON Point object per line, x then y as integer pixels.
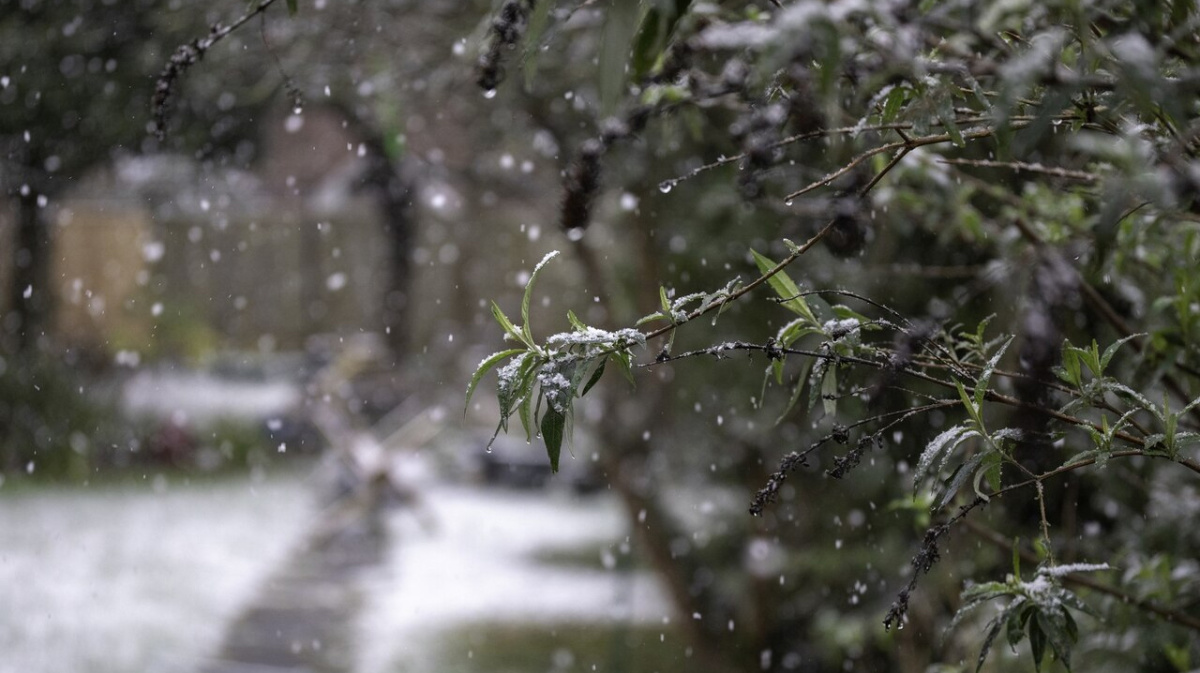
{"type": "Point", "coordinates": [479, 565]}
{"type": "Point", "coordinates": [139, 577]}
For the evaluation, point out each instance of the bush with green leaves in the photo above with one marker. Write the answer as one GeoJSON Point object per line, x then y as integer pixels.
{"type": "Point", "coordinates": [1059, 144]}
{"type": "Point", "coordinates": [941, 161]}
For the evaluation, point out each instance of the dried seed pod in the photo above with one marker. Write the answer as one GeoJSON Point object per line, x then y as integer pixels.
{"type": "Point", "coordinates": [850, 231]}
{"type": "Point", "coordinates": [507, 29]}
{"type": "Point", "coordinates": [580, 186]}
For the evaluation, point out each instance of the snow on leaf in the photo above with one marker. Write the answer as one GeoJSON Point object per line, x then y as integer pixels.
{"type": "Point", "coordinates": [940, 448]}
{"type": "Point", "coordinates": [486, 365]}
{"type": "Point", "coordinates": [526, 299]}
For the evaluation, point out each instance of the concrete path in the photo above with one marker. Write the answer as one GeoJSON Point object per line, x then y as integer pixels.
{"type": "Point", "coordinates": [302, 619]}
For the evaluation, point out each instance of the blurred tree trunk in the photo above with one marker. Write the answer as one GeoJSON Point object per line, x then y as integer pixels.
{"type": "Point", "coordinates": [626, 458]}
{"type": "Point", "coordinates": [29, 295]}
{"type": "Point", "coordinates": [388, 181]}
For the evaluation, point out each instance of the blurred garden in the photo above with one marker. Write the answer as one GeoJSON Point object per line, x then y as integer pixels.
{"type": "Point", "coordinates": [524, 335]}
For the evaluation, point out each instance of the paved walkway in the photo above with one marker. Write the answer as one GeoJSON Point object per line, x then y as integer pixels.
{"type": "Point", "coordinates": [302, 619]}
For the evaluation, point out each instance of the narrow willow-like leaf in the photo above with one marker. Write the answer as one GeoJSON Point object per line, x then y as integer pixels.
{"type": "Point", "coordinates": [936, 450]}
{"type": "Point", "coordinates": [484, 367]}
{"type": "Point", "coordinates": [553, 423]}
{"type": "Point", "coordinates": [968, 404]}
{"type": "Point", "coordinates": [524, 410]}
{"type": "Point", "coordinates": [986, 376]}
{"type": "Point", "coordinates": [594, 379]}
{"type": "Point", "coordinates": [960, 476]}
{"type": "Point", "coordinates": [528, 297]}
{"type": "Point", "coordinates": [533, 37]}
{"type": "Point", "coordinates": [1112, 349]}
{"type": "Point", "coordinates": [829, 392]}
{"type": "Point", "coordinates": [783, 285]}
{"type": "Point", "coordinates": [650, 318]}
{"type": "Point", "coordinates": [507, 325]}
{"type": "Point", "coordinates": [800, 382]}
{"type": "Point", "coordinates": [1037, 641]}
{"type": "Point", "coordinates": [293, 7]}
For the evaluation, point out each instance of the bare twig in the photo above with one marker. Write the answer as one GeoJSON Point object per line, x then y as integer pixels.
{"type": "Point", "coordinates": [187, 55]}
{"type": "Point", "coordinates": [1027, 167]}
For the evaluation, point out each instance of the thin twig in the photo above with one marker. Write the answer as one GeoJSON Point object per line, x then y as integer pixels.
{"type": "Point", "coordinates": [737, 294]}
{"type": "Point", "coordinates": [990, 395]}
{"type": "Point", "coordinates": [1024, 166]}
{"type": "Point", "coordinates": [909, 145]}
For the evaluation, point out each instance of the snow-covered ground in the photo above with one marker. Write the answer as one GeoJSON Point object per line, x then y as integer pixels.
{"type": "Point", "coordinates": [137, 577]}
{"type": "Point", "coordinates": [478, 563]}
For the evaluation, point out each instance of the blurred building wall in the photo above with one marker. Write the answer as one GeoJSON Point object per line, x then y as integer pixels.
{"type": "Point", "coordinates": [97, 267]}
{"type": "Point", "coordinates": [188, 260]}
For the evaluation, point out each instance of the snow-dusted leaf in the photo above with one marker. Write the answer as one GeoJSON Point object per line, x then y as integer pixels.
{"type": "Point", "coordinates": [484, 367]}
{"type": "Point", "coordinates": [960, 476]}
{"type": "Point", "coordinates": [938, 450]}
{"type": "Point", "coordinates": [783, 285]}
{"type": "Point", "coordinates": [576, 323]}
{"type": "Point", "coordinates": [528, 296]}
{"type": "Point", "coordinates": [1112, 349]}
{"type": "Point", "coordinates": [985, 377]}
{"type": "Point", "coordinates": [553, 423]}
{"type": "Point", "coordinates": [594, 378]}
{"type": "Point", "coordinates": [510, 330]}
{"type": "Point", "coordinates": [796, 391]}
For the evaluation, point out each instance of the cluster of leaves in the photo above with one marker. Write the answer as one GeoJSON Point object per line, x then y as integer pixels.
{"type": "Point", "coordinates": [1087, 107]}
{"type": "Point", "coordinates": [561, 370]}
{"type": "Point", "coordinates": [1039, 608]}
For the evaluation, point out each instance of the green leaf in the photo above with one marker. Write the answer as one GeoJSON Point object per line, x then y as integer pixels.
{"type": "Point", "coordinates": [650, 318]}
{"type": "Point", "coordinates": [892, 103]}
{"type": "Point", "coordinates": [553, 423]}
{"type": "Point", "coordinates": [1071, 365]}
{"type": "Point", "coordinates": [625, 361]}
{"type": "Point", "coordinates": [1054, 624]}
{"type": "Point", "coordinates": [996, 624]}
{"type": "Point", "coordinates": [533, 37]}
{"type": "Point", "coordinates": [509, 328]}
{"type": "Point", "coordinates": [794, 331]}
{"type": "Point", "coordinates": [620, 26]}
{"type": "Point", "coordinates": [524, 410]}
{"type": "Point", "coordinates": [959, 478]}
{"type": "Point", "coordinates": [576, 323]}
{"type": "Point", "coordinates": [292, 7]}
{"type": "Point", "coordinates": [787, 290]}
{"type": "Point", "coordinates": [1112, 350]}
{"type": "Point", "coordinates": [526, 377]}
{"type": "Point", "coordinates": [511, 390]}
{"type": "Point", "coordinates": [484, 367]}
{"type": "Point", "coordinates": [1016, 626]}
{"type": "Point", "coordinates": [937, 452]}
{"type": "Point", "coordinates": [647, 46]}
{"type": "Point", "coordinates": [594, 379]}
{"type": "Point", "coordinates": [528, 297]}
{"type": "Point", "coordinates": [968, 404]}
{"type": "Point", "coordinates": [951, 126]}
{"type": "Point", "coordinates": [800, 381]}
{"type": "Point", "coordinates": [986, 376]}
{"type": "Point", "coordinates": [829, 390]}
{"type": "Point", "coordinates": [1037, 642]}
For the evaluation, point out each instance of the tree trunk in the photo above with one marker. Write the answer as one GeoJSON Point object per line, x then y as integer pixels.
{"type": "Point", "coordinates": [393, 190]}
{"type": "Point", "coordinates": [30, 296]}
